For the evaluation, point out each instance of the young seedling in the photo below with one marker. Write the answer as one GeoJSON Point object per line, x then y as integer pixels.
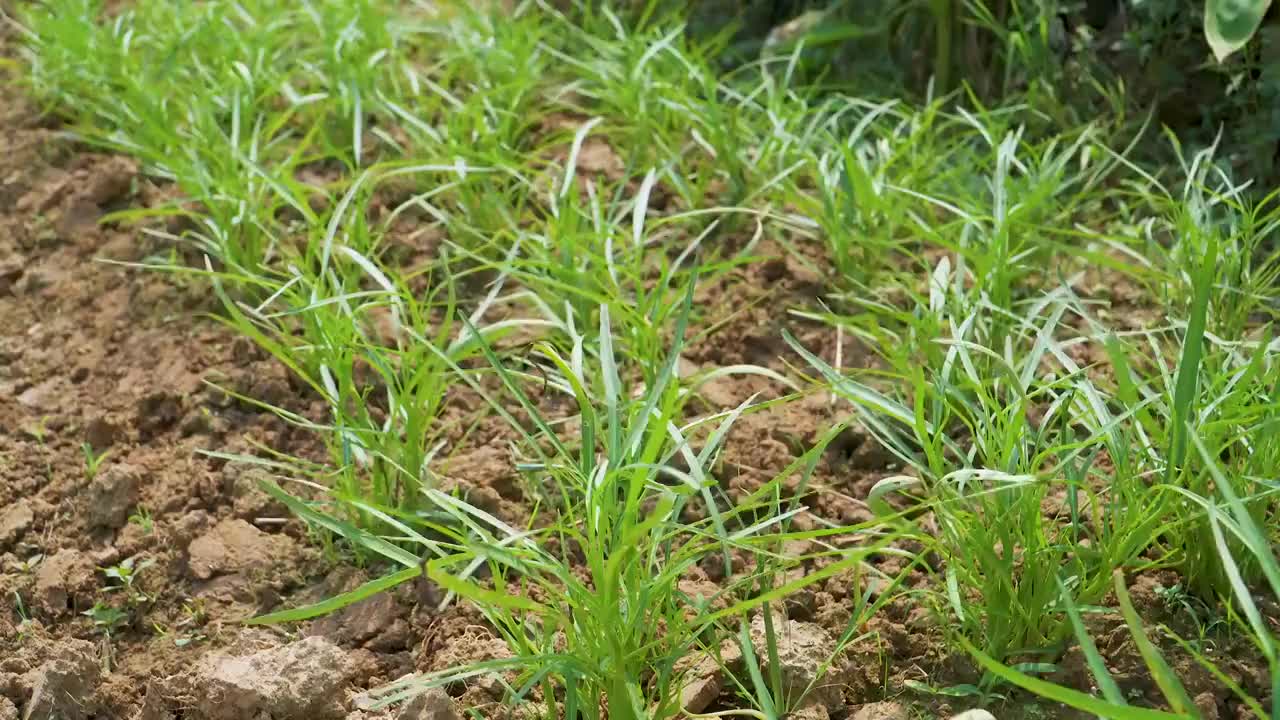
{"type": "Point", "coordinates": [107, 618]}
{"type": "Point", "coordinates": [30, 564]}
{"type": "Point", "coordinates": [125, 576]}
{"type": "Point", "coordinates": [24, 616]}
{"type": "Point", "coordinates": [92, 460]}
{"type": "Point", "coordinates": [142, 518]}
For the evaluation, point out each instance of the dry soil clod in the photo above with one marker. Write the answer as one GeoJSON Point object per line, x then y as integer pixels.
{"type": "Point", "coordinates": [299, 681]}
{"type": "Point", "coordinates": [62, 686]}
{"type": "Point", "coordinates": [112, 495]}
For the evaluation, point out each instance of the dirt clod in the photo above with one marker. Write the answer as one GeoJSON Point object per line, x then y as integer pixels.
{"type": "Point", "coordinates": [40, 397]}
{"type": "Point", "coordinates": [809, 712]}
{"type": "Point", "coordinates": [705, 679]}
{"type": "Point", "coordinates": [112, 495]}
{"type": "Point", "coordinates": [881, 711]}
{"type": "Point", "coordinates": [803, 648]}
{"type": "Point", "coordinates": [434, 704]}
{"type": "Point", "coordinates": [188, 527]}
{"type": "Point", "coordinates": [250, 502]}
{"type": "Point", "coordinates": [63, 580]}
{"type": "Point", "coordinates": [722, 392]}
{"type": "Point", "coordinates": [14, 521]}
{"type": "Point", "coordinates": [156, 412]}
{"type": "Point", "coordinates": [8, 711]}
{"type": "Point", "coordinates": [61, 687]}
{"type": "Point", "coordinates": [101, 433]}
{"type": "Point", "coordinates": [11, 270]}
{"type": "Point", "coordinates": [110, 181]}
{"type": "Point", "coordinates": [235, 546]}
{"type": "Point", "coordinates": [1207, 703]}
{"type": "Point", "coordinates": [366, 621]}
{"type": "Point", "coordinates": [299, 681]}
{"type": "Point", "coordinates": [153, 705]}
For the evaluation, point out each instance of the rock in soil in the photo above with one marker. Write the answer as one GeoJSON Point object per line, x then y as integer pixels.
{"type": "Point", "coordinates": [434, 704]}
{"type": "Point", "coordinates": [881, 711]}
{"type": "Point", "coordinates": [300, 681]}
{"type": "Point", "coordinates": [377, 620]}
{"type": "Point", "coordinates": [704, 677]}
{"type": "Point", "coordinates": [809, 712]}
{"type": "Point", "coordinates": [112, 496]}
{"type": "Point", "coordinates": [62, 580]}
{"type": "Point", "coordinates": [15, 521]}
{"type": "Point", "coordinates": [803, 649]}
{"type": "Point", "coordinates": [234, 546]}
{"type": "Point", "coordinates": [61, 687]}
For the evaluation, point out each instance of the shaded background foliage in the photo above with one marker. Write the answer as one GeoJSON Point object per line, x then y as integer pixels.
{"type": "Point", "coordinates": [1131, 61]}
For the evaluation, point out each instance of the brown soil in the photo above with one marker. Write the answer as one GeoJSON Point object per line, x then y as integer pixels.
{"type": "Point", "coordinates": [117, 359]}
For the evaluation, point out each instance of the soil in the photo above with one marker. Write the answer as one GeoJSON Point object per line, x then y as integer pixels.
{"type": "Point", "coordinates": [122, 366]}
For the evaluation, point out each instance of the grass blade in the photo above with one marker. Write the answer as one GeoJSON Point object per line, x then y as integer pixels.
{"type": "Point", "coordinates": [1189, 365]}
{"type": "Point", "coordinates": [1174, 693]}
{"type": "Point", "coordinates": [1066, 696]}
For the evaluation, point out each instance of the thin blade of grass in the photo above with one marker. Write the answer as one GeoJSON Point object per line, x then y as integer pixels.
{"type": "Point", "coordinates": [1189, 364]}
{"type": "Point", "coordinates": [337, 602]}
{"type": "Point", "coordinates": [1174, 693]}
{"type": "Point", "coordinates": [1066, 696]}
{"type": "Point", "coordinates": [1097, 666]}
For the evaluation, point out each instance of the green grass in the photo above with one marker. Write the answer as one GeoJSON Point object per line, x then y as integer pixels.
{"type": "Point", "coordinates": [417, 208]}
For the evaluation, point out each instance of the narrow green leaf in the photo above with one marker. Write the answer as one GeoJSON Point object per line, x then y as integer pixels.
{"type": "Point", "coordinates": [1184, 393]}
{"type": "Point", "coordinates": [337, 602]}
{"type": "Point", "coordinates": [1097, 666]}
{"type": "Point", "coordinates": [1066, 696]}
{"type": "Point", "coordinates": [352, 533]}
{"type": "Point", "coordinates": [1174, 693]}
{"type": "Point", "coordinates": [482, 596]}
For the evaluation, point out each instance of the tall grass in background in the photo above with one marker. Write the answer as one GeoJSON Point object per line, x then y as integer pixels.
{"type": "Point", "coordinates": [227, 102]}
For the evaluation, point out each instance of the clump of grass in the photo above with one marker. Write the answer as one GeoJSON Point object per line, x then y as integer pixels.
{"type": "Point", "coordinates": [1239, 541]}
{"type": "Point", "coordinates": [984, 397]}
{"type": "Point", "coordinates": [589, 603]}
{"type": "Point", "coordinates": [990, 440]}
{"type": "Point", "coordinates": [379, 353]}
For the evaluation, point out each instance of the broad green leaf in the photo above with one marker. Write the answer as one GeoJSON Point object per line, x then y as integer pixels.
{"type": "Point", "coordinates": [1229, 24]}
